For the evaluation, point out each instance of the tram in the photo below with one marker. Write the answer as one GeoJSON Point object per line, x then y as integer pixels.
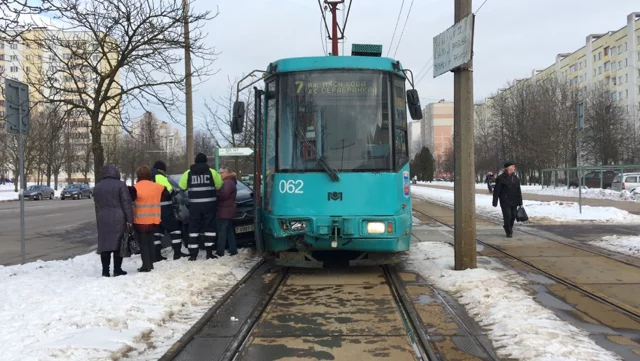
{"type": "Point", "coordinates": [332, 157]}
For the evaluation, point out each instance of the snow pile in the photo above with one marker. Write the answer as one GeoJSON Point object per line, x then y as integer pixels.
{"type": "Point", "coordinates": [7, 193]}
{"type": "Point", "coordinates": [629, 245]}
{"type": "Point", "coordinates": [65, 310]}
{"type": "Point", "coordinates": [593, 193]}
{"type": "Point", "coordinates": [563, 191]}
{"type": "Point", "coordinates": [537, 211]}
{"type": "Point", "coordinates": [517, 325]}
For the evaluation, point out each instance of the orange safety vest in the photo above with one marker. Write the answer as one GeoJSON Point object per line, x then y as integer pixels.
{"type": "Point", "coordinates": [146, 207]}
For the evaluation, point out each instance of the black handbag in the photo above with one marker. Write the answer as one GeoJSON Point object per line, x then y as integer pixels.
{"type": "Point", "coordinates": [521, 215]}
{"type": "Point", "coordinates": [129, 245]}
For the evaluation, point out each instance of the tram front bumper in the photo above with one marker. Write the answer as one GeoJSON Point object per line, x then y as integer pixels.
{"type": "Point", "coordinates": [362, 233]}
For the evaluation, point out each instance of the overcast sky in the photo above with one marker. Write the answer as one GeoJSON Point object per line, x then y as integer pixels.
{"type": "Point", "coordinates": [511, 36]}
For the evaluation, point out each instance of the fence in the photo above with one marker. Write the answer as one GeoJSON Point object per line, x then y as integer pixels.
{"type": "Point", "coordinates": [569, 176]}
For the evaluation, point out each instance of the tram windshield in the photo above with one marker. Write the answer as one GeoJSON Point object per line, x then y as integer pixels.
{"type": "Point", "coordinates": [335, 121]}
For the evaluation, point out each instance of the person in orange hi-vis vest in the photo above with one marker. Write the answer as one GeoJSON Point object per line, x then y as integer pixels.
{"type": "Point", "coordinates": [146, 214]}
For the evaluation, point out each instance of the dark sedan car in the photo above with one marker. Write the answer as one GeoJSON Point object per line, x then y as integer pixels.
{"type": "Point", "coordinates": [243, 221]}
{"type": "Point", "coordinates": [76, 191]}
{"type": "Point", "coordinates": [38, 193]}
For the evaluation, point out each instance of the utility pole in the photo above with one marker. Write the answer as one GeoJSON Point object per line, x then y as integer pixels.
{"type": "Point", "coordinates": [580, 112]}
{"type": "Point", "coordinates": [333, 7]}
{"type": "Point", "coordinates": [464, 185]}
{"type": "Point", "coordinates": [188, 86]}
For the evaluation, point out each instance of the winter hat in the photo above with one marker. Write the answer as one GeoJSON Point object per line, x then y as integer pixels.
{"type": "Point", "coordinates": [508, 164]}
{"type": "Point", "coordinates": [201, 158]}
{"type": "Point", "coordinates": [160, 165]}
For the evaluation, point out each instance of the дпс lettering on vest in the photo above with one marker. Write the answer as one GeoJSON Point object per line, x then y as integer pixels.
{"type": "Point", "coordinates": [201, 179]}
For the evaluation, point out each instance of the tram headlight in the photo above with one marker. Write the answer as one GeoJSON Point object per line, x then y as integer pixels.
{"type": "Point", "coordinates": [375, 227]}
{"type": "Point", "coordinates": [298, 225]}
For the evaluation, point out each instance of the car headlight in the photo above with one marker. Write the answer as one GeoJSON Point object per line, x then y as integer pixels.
{"type": "Point", "coordinates": [375, 227]}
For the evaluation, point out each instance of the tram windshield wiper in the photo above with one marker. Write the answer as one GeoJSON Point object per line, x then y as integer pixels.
{"type": "Point", "coordinates": [332, 172]}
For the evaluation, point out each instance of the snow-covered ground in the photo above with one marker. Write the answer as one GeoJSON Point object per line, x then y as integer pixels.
{"type": "Point", "coordinates": [517, 325]}
{"type": "Point", "coordinates": [65, 310]}
{"type": "Point", "coordinates": [562, 191]}
{"type": "Point", "coordinates": [537, 211]}
{"type": "Point", "coordinates": [629, 245]}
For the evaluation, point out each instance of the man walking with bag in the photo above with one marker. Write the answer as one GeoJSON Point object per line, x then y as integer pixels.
{"type": "Point", "coordinates": [507, 190]}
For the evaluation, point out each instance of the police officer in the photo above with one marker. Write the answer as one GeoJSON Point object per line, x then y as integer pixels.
{"type": "Point", "coordinates": [201, 182]}
{"type": "Point", "coordinates": [168, 222]}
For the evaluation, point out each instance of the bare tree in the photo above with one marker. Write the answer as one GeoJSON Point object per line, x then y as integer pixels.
{"type": "Point", "coordinates": [51, 141]}
{"type": "Point", "coordinates": [115, 54]}
{"type": "Point", "coordinates": [15, 16]}
{"type": "Point", "coordinates": [218, 118]}
{"type": "Point", "coordinates": [204, 143]}
{"type": "Point", "coordinates": [605, 133]}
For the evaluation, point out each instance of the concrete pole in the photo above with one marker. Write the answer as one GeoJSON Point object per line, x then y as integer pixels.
{"type": "Point", "coordinates": [463, 143]}
{"type": "Point", "coordinates": [188, 87]}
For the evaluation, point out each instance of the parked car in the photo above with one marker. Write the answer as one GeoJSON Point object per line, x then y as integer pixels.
{"type": "Point", "coordinates": [243, 222]}
{"type": "Point", "coordinates": [631, 181]}
{"type": "Point", "coordinates": [76, 191]}
{"type": "Point", "coordinates": [592, 179]}
{"type": "Point", "coordinates": [37, 193]}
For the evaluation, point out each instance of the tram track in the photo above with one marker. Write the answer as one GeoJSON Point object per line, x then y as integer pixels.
{"type": "Point", "coordinates": [498, 221]}
{"type": "Point", "coordinates": [562, 280]}
{"type": "Point", "coordinates": [385, 319]}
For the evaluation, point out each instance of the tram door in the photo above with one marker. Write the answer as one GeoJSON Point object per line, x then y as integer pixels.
{"type": "Point", "coordinates": [258, 168]}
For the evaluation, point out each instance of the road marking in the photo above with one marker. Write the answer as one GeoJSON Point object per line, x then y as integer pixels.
{"type": "Point", "coordinates": [52, 215]}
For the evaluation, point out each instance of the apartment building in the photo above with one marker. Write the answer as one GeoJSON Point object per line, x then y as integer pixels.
{"type": "Point", "coordinates": [415, 140]}
{"type": "Point", "coordinates": [150, 130]}
{"type": "Point", "coordinates": [611, 58]}
{"type": "Point", "coordinates": [34, 61]}
{"type": "Point", "coordinates": [436, 128]}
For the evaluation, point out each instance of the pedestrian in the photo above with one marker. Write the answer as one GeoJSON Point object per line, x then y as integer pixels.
{"type": "Point", "coordinates": [226, 212]}
{"type": "Point", "coordinates": [168, 221]}
{"type": "Point", "coordinates": [202, 182]}
{"type": "Point", "coordinates": [146, 214]}
{"type": "Point", "coordinates": [115, 216]}
{"type": "Point", "coordinates": [489, 179]}
{"type": "Point", "coordinates": [507, 190]}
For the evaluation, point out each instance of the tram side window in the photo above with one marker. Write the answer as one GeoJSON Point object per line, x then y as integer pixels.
{"type": "Point", "coordinates": [270, 152]}
{"type": "Point", "coordinates": [400, 126]}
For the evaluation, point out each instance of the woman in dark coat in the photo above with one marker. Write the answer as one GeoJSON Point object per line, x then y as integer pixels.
{"type": "Point", "coordinates": [115, 214]}
{"type": "Point", "coordinates": [226, 212]}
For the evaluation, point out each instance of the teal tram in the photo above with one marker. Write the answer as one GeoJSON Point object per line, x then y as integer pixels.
{"type": "Point", "coordinates": [332, 157]}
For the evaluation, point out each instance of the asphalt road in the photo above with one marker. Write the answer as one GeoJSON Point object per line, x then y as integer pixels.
{"type": "Point", "coordinates": [54, 229]}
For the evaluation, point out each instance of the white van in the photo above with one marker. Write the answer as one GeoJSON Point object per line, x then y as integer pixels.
{"type": "Point", "coordinates": [630, 181]}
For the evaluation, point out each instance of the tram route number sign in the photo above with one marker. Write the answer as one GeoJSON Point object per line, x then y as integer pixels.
{"type": "Point", "coordinates": [335, 87]}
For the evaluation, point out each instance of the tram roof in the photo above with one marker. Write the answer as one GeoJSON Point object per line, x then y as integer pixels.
{"type": "Point", "coordinates": [335, 62]}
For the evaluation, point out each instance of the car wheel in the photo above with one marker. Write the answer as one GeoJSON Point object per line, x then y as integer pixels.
{"type": "Point", "coordinates": [80, 196]}
{"type": "Point", "coordinates": [90, 195]}
{"type": "Point", "coordinates": [38, 197]}
{"type": "Point", "coordinates": [51, 196]}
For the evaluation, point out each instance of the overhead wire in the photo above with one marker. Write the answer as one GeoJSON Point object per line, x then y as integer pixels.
{"type": "Point", "coordinates": [322, 39]}
{"type": "Point", "coordinates": [395, 29]}
{"type": "Point", "coordinates": [430, 59]}
{"type": "Point", "coordinates": [403, 27]}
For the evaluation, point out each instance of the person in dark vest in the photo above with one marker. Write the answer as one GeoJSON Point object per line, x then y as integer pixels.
{"type": "Point", "coordinates": [201, 182]}
{"type": "Point", "coordinates": [507, 191]}
{"type": "Point", "coordinates": [168, 223]}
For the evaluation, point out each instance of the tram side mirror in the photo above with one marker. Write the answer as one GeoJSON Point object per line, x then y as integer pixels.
{"type": "Point", "coordinates": [237, 121]}
{"type": "Point", "coordinates": [413, 101]}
